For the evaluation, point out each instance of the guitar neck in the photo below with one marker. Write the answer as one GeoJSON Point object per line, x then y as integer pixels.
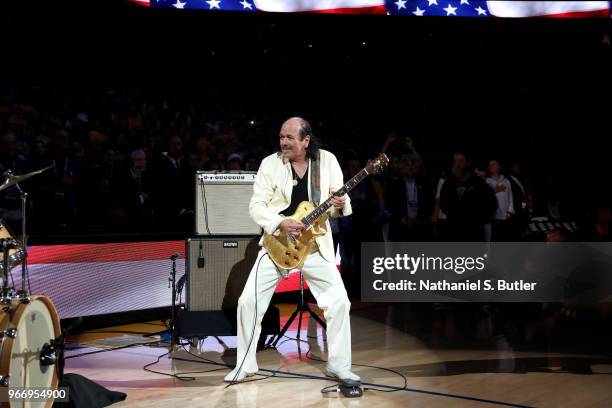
{"type": "Point", "coordinates": [324, 206]}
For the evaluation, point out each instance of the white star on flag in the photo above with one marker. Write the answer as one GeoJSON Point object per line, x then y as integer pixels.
{"type": "Point", "coordinates": [214, 4]}
{"type": "Point", "coordinates": [450, 10]}
{"type": "Point", "coordinates": [400, 4]}
{"type": "Point", "coordinates": [433, 2]}
{"type": "Point", "coordinates": [464, 2]}
{"type": "Point", "coordinates": [481, 11]}
{"type": "Point", "coordinates": [179, 5]}
{"type": "Point", "coordinates": [418, 12]}
{"type": "Point", "coordinates": [246, 5]}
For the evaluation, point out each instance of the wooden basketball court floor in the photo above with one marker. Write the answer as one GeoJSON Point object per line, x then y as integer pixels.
{"type": "Point", "coordinates": [435, 376]}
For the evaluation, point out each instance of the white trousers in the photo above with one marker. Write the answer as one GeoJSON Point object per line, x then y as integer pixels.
{"type": "Point", "coordinates": [326, 286]}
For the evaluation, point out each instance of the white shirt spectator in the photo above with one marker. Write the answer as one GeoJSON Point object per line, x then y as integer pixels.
{"type": "Point", "coordinates": [504, 198]}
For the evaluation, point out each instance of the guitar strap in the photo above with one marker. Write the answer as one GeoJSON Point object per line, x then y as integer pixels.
{"type": "Point", "coordinates": [315, 178]}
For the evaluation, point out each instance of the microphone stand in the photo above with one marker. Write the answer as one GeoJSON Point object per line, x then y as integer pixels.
{"type": "Point", "coordinates": [49, 352]}
{"type": "Point", "coordinates": [172, 282]}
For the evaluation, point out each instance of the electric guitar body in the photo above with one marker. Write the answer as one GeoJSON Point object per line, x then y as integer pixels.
{"type": "Point", "coordinates": [288, 252]}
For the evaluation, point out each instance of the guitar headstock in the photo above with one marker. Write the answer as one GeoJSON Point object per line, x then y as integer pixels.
{"type": "Point", "coordinates": [378, 164]}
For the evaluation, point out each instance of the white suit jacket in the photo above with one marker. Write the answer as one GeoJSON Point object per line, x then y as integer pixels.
{"type": "Point", "coordinates": [272, 194]}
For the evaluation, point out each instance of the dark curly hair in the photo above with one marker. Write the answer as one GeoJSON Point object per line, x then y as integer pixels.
{"type": "Point", "coordinates": [306, 130]}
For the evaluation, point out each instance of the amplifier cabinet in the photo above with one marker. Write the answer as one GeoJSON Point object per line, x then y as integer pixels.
{"type": "Point", "coordinates": [222, 203]}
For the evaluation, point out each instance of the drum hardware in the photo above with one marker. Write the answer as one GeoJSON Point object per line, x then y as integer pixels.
{"type": "Point", "coordinates": [12, 180]}
{"type": "Point", "coordinates": [12, 333]}
{"type": "Point", "coordinates": [6, 291]}
{"type": "Point", "coordinates": [25, 321]}
{"type": "Point", "coordinates": [48, 354]}
{"type": "Point", "coordinates": [26, 329]}
{"type": "Point", "coordinates": [20, 250]}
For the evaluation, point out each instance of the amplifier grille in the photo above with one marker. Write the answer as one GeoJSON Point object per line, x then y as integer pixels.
{"type": "Point", "coordinates": [227, 263]}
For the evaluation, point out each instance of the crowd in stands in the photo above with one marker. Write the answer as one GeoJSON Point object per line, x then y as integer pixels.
{"type": "Point", "coordinates": [125, 160]}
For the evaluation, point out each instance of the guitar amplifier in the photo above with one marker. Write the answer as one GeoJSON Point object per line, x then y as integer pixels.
{"type": "Point", "coordinates": [217, 269]}
{"type": "Point", "coordinates": [222, 203]}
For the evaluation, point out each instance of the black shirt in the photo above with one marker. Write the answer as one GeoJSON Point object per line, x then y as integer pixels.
{"type": "Point", "coordinates": [299, 192]}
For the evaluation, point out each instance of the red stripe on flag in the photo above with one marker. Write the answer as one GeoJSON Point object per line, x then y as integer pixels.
{"type": "Point", "coordinates": [145, 3]}
{"type": "Point", "coordinates": [581, 14]}
{"type": "Point", "coordinates": [352, 10]}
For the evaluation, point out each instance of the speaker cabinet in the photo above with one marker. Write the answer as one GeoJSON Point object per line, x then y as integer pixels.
{"type": "Point", "coordinates": [222, 203]}
{"type": "Point", "coordinates": [217, 269]}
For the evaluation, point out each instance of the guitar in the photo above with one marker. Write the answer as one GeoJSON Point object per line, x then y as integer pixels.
{"type": "Point", "coordinates": [288, 252]}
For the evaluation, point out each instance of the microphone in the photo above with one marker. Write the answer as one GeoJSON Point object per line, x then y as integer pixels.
{"type": "Point", "coordinates": [9, 242]}
{"type": "Point", "coordinates": [47, 353]}
{"type": "Point", "coordinates": [175, 256]}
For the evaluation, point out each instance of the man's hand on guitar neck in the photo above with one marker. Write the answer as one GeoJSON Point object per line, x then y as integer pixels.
{"type": "Point", "coordinates": [337, 201]}
{"type": "Point", "coordinates": [291, 227]}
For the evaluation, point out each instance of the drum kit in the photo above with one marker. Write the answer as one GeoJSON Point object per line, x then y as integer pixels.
{"type": "Point", "coordinates": [29, 324]}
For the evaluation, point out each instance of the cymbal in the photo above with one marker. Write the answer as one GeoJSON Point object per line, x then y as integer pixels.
{"type": "Point", "coordinates": [11, 180]}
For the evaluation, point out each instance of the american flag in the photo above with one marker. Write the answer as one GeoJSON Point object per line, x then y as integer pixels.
{"type": "Point", "coordinates": [415, 8]}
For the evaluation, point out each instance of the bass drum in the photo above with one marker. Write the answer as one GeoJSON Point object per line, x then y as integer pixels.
{"type": "Point", "coordinates": [25, 328]}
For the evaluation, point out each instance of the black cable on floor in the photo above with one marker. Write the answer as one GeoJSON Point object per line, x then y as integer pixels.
{"type": "Point", "coordinates": [265, 377]}
{"type": "Point", "coordinates": [319, 378]}
{"type": "Point", "coordinates": [179, 376]}
{"type": "Point", "coordinates": [111, 349]}
{"type": "Point", "coordinates": [309, 356]}
{"type": "Point", "coordinates": [274, 373]}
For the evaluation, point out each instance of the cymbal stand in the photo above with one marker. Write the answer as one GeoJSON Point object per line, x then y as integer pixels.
{"type": "Point", "coordinates": [5, 295]}
{"type": "Point", "coordinates": [24, 296]}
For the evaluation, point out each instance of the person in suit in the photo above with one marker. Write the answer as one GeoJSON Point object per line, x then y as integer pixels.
{"type": "Point", "coordinates": [467, 201]}
{"type": "Point", "coordinates": [132, 192]}
{"type": "Point", "coordinates": [410, 204]}
{"type": "Point", "coordinates": [174, 192]}
{"type": "Point", "coordinates": [300, 171]}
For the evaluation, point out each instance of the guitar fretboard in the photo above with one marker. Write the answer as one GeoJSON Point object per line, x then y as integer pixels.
{"type": "Point", "coordinates": [324, 206]}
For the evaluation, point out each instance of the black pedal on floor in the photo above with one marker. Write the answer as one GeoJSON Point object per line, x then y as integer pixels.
{"type": "Point", "coordinates": [350, 388]}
